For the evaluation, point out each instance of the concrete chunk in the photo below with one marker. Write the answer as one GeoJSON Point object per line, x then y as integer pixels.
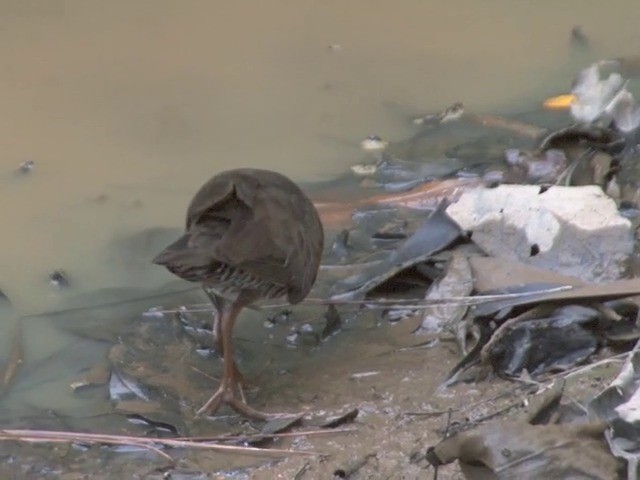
{"type": "Point", "coordinates": [570, 230]}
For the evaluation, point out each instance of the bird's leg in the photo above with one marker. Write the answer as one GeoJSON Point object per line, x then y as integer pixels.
{"type": "Point", "coordinates": [230, 389]}
{"type": "Point", "coordinates": [219, 306]}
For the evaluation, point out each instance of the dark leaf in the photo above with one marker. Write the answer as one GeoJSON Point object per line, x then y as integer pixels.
{"type": "Point", "coordinates": [347, 417]}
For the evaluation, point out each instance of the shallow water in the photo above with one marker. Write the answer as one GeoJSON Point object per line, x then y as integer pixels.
{"type": "Point", "coordinates": [127, 107]}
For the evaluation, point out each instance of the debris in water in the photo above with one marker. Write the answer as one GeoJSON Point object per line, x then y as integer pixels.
{"type": "Point", "coordinates": [363, 375]}
{"type": "Point", "coordinates": [339, 420]}
{"type": "Point", "coordinates": [27, 167]}
{"type": "Point", "coordinates": [99, 374]}
{"type": "Point", "coordinates": [579, 38]}
{"type": "Point", "coordinates": [59, 279]}
{"type": "Point", "coordinates": [449, 114]}
{"type": "Point", "coordinates": [373, 143]}
{"type": "Point", "coordinates": [332, 322]}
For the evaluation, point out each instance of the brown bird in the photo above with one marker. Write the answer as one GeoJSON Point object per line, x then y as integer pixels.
{"type": "Point", "coordinates": [250, 235]}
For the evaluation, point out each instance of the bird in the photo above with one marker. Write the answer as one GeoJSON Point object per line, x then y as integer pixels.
{"type": "Point", "coordinates": [250, 235]}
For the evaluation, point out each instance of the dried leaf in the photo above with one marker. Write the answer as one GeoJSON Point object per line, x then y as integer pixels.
{"type": "Point", "coordinates": [347, 417]}
{"type": "Point", "coordinates": [97, 375]}
{"type": "Point", "coordinates": [510, 450]}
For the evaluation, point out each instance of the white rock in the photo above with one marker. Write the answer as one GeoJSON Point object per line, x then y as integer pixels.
{"type": "Point", "coordinates": [571, 230]}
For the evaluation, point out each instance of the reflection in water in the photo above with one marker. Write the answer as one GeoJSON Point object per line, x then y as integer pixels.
{"type": "Point", "coordinates": [125, 107]}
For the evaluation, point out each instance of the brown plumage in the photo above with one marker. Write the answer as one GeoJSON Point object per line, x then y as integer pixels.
{"type": "Point", "coordinates": [250, 235]}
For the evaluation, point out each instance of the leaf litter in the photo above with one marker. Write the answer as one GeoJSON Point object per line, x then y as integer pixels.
{"type": "Point", "coordinates": [509, 317]}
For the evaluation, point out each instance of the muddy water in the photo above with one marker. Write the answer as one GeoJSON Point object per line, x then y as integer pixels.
{"type": "Point", "coordinates": [126, 107]}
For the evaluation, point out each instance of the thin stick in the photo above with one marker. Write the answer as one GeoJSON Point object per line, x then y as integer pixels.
{"type": "Point", "coordinates": [16, 356]}
{"type": "Point", "coordinates": [470, 406]}
{"type": "Point", "coordinates": [110, 304]}
{"type": "Point", "coordinates": [269, 435]}
{"type": "Point", "coordinates": [36, 436]}
{"type": "Point", "coordinates": [445, 435]}
{"type": "Point", "coordinates": [613, 359]}
{"type": "Point", "coordinates": [585, 368]}
{"type": "Point", "coordinates": [114, 442]}
{"type": "Point", "coordinates": [413, 303]}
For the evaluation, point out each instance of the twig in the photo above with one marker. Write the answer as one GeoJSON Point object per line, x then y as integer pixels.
{"type": "Point", "coordinates": [497, 413]}
{"type": "Point", "coordinates": [514, 126]}
{"type": "Point", "coordinates": [474, 404]}
{"type": "Point", "coordinates": [422, 302]}
{"type": "Point", "coordinates": [210, 377]}
{"type": "Point", "coordinates": [413, 303]}
{"type": "Point", "coordinates": [110, 304]}
{"type": "Point", "coordinates": [621, 357]}
{"type": "Point", "coordinates": [435, 413]}
{"type": "Point", "coordinates": [253, 436]}
{"type": "Point", "coordinates": [158, 451]}
{"type": "Point", "coordinates": [302, 471]}
{"type": "Point", "coordinates": [16, 356]}
{"type": "Point", "coordinates": [40, 436]}
{"type": "Point", "coordinates": [446, 431]}
{"type": "Point", "coordinates": [444, 437]}
{"type": "Point", "coordinates": [489, 416]}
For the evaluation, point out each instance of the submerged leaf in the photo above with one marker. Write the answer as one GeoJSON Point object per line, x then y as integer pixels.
{"type": "Point", "coordinates": [457, 282]}
{"type": "Point", "coordinates": [124, 387]}
{"type": "Point", "coordinates": [437, 233]}
{"type": "Point", "coordinates": [541, 345]}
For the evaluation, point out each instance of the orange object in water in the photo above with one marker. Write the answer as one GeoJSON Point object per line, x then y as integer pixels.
{"type": "Point", "coordinates": [561, 102]}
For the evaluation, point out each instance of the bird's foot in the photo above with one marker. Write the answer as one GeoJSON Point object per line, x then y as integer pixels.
{"type": "Point", "coordinates": [231, 393]}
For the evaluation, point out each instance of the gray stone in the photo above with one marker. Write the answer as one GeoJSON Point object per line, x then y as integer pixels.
{"type": "Point", "coordinates": [570, 230]}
